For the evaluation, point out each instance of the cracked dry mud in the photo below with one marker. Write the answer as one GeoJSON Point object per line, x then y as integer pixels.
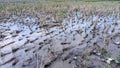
{"type": "Point", "coordinates": [67, 45]}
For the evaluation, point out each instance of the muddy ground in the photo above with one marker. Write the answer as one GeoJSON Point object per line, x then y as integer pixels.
{"type": "Point", "coordinates": [76, 41]}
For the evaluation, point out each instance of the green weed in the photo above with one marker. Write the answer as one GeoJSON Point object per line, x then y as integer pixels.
{"type": "Point", "coordinates": [64, 11]}
{"type": "Point", "coordinates": [118, 58]}
{"type": "Point", "coordinates": [105, 53]}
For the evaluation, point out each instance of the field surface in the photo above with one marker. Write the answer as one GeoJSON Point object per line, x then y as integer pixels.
{"type": "Point", "coordinates": [59, 34]}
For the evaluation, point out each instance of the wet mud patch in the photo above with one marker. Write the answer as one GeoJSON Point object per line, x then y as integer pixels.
{"type": "Point", "coordinates": [75, 42]}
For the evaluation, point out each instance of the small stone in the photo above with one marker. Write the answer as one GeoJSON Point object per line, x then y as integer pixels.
{"type": "Point", "coordinates": [98, 54]}
{"type": "Point", "coordinates": [94, 51]}
{"type": "Point", "coordinates": [116, 61]}
{"type": "Point", "coordinates": [117, 43]}
{"type": "Point", "coordinates": [103, 60]}
{"type": "Point", "coordinates": [75, 58]}
{"type": "Point", "coordinates": [109, 60]}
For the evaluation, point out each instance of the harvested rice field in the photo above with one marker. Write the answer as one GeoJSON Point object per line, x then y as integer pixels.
{"type": "Point", "coordinates": [59, 34]}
